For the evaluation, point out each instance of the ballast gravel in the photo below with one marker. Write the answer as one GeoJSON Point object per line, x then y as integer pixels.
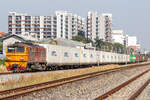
{"type": "Point", "coordinates": [87, 89]}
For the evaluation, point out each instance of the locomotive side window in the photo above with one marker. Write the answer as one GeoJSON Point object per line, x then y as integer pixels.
{"type": "Point", "coordinates": [54, 53]}
{"type": "Point", "coordinates": [11, 49]}
{"type": "Point", "coordinates": [19, 49]}
{"type": "Point", "coordinates": [66, 54]}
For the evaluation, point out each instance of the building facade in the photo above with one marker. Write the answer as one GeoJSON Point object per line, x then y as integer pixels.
{"type": "Point", "coordinates": [93, 26]}
{"type": "Point", "coordinates": [118, 36]}
{"type": "Point", "coordinates": [131, 41]}
{"type": "Point", "coordinates": [43, 26]}
{"type": "Point", "coordinates": [1, 34]}
{"type": "Point", "coordinates": [106, 26]}
{"type": "Point", "coordinates": [99, 26]}
{"type": "Point", "coordinates": [60, 25]}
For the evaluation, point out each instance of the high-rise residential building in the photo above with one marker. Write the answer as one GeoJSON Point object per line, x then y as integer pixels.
{"type": "Point", "coordinates": [99, 26]}
{"type": "Point", "coordinates": [106, 26]}
{"type": "Point", "coordinates": [78, 25]}
{"type": "Point", "coordinates": [43, 26]}
{"type": "Point", "coordinates": [61, 25]}
{"type": "Point", "coordinates": [93, 26]}
{"type": "Point", "coordinates": [69, 25]}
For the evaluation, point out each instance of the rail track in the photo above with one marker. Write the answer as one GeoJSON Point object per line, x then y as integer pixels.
{"type": "Point", "coordinates": [13, 93]}
{"type": "Point", "coordinates": [21, 91]}
{"type": "Point", "coordinates": [6, 73]}
{"type": "Point", "coordinates": [137, 93]}
{"type": "Point", "coordinates": [114, 90]}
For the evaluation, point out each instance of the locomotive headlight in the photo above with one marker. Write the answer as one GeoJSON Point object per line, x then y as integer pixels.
{"type": "Point", "coordinates": [22, 59]}
{"type": "Point", "coordinates": [8, 58]}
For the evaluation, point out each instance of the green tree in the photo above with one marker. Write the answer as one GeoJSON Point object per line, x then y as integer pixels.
{"type": "Point", "coordinates": [53, 42]}
{"type": "Point", "coordinates": [131, 51]}
{"type": "Point", "coordinates": [119, 48]}
{"type": "Point", "coordinates": [99, 44]}
{"type": "Point", "coordinates": [81, 38]}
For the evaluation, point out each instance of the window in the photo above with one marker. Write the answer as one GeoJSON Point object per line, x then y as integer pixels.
{"type": "Point", "coordinates": [76, 55]}
{"type": "Point", "coordinates": [66, 54]}
{"type": "Point", "coordinates": [11, 49]}
{"type": "Point", "coordinates": [54, 53]}
{"type": "Point", "coordinates": [19, 49]}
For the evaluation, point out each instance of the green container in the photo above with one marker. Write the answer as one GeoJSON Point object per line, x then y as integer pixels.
{"type": "Point", "coordinates": [132, 58]}
{"type": "Point", "coordinates": [143, 58]}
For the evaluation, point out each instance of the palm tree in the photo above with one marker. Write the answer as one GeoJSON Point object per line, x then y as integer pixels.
{"type": "Point", "coordinates": [99, 43]}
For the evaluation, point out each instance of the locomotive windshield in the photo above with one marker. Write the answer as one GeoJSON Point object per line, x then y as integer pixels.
{"type": "Point", "coordinates": [11, 49]}
{"type": "Point", "coordinates": [15, 49]}
{"type": "Point", "coordinates": [19, 49]}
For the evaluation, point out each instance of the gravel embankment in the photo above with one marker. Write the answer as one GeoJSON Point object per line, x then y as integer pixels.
{"type": "Point", "coordinates": [145, 95]}
{"type": "Point", "coordinates": [87, 89]}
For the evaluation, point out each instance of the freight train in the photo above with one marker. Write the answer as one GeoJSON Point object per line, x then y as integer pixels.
{"type": "Point", "coordinates": [27, 56]}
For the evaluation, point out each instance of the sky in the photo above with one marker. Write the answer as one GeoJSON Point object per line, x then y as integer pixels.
{"type": "Point", "coordinates": [133, 16]}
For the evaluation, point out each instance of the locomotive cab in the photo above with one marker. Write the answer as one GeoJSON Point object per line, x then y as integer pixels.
{"type": "Point", "coordinates": [16, 57]}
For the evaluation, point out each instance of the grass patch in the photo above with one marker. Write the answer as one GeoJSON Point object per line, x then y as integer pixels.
{"type": "Point", "coordinates": [38, 78]}
{"type": "Point", "coordinates": [2, 61]}
{"type": "Point", "coordinates": [2, 66]}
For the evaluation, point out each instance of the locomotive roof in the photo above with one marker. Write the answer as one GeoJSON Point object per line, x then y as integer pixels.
{"type": "Point", "coordinates": [25, 44]}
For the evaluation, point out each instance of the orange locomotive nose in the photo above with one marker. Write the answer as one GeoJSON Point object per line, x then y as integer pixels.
{"type": "Point", "coordinates": [16, 58]}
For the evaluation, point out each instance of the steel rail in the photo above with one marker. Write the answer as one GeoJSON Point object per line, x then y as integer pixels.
{"type": "Point", "coordinates": [112, 91]}
{"type": "Point", "coordinates": [6, 73]}
{"type": "Point", "coordinates": [138, 92]}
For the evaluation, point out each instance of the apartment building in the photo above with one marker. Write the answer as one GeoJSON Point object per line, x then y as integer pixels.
{"type": "Point", "coordinates": [93, 26]}
{"type": "Point", "coordinates": [60, 25]}
{"type": "Point", "coordinates": [106, 26]}
{"type": "Point", "coordinates": [99, 26]}
{"type": "Point", "coordinates": [69, 25]}
{"type": "Point", "coordinates": [78, 25]}
{"type": "Point", "coordinates": [21, 23]}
